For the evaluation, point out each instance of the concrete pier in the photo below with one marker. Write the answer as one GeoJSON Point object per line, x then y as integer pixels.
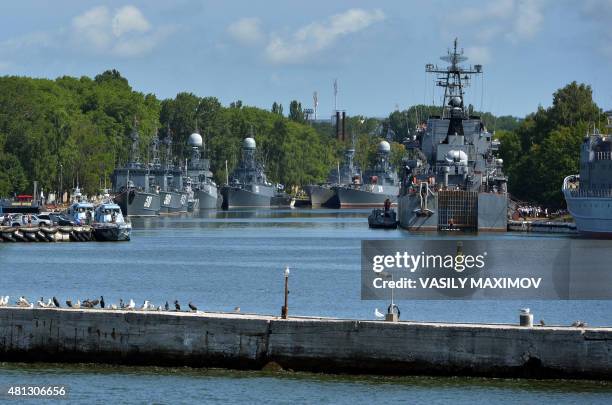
{"type": "Point", "coordinates": [301, 343]}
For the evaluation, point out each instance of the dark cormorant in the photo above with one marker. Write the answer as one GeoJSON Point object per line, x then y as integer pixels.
{"type": "Point", "coordinates": [192, 307]}
{"type": "Point", "coordinates": [102, 303]}
{"type": "Point", "coordinates": [56, 302]}
{"type": "Point", "coordinates": [176, 305]}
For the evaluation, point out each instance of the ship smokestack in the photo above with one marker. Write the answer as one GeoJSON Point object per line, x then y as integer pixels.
{"type": "Point", "coordinates": [343, 126]}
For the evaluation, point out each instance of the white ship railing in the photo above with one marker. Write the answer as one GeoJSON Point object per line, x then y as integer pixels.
{"type": "Point", "coordinates": [603, 155]}
{"type": "Point", "coordinates": [572, 188]}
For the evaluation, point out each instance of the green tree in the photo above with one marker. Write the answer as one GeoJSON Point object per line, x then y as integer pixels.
{"type": "Point", "coordinates": [295, 111]}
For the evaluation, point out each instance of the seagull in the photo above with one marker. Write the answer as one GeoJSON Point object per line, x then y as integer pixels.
{"type": "Point", "coordinates": [56, 302]}
{"type": "Point", "coordinates": [131, 305]}
{"type": "Point", "coordinates": [50, 303]}
{"type": "Point", "coordinates": [23, 302]}
{"type": "Point", "coordinates": [78, 304]}
{"type": "Point", "coordinates": [166, 307]}
{"type": "Point", "coordinates": [176, 305]}
{"type": "Point", "coordinates": [237, 309]}
{"type": "Point", "coordinates": [102, 303]}
{"type": "Point", "coordinates": [41, 303]}
{"type": "Point", "coordinates": [193, 307]}
{"type": "Point", "coordinates": [69, 303]}
{"type": "Point", "coordinates": [4, 301]}
{"type": "Point", "coordinates": [145, 305]}
{"type": "Point", "coordinates": [378, 314]}
{"type": "Point", "coordinates": [113, 306]}
{"type": "Point", "coordinates": [159, 308]}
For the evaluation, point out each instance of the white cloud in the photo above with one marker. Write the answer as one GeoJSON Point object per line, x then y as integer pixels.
{"type": "Point", "coordinates": [528, 20]}
{"type": "Point", "coordinates": [478, 54]}
{"type": "Point", "coordinates": [125, 32]}
{"type": "Point", "coordinates": [92, 25]}
{"type": "Point", "coordinates": [494, 9]}
{"type": "Point", "coordinates": [247, 31]}
{"type": "Point", "coordinates": [318, 36]}
{"type": "Point", "coordinates": [129, 19]}
{"type": "Point", "coordinates": [598, 14]}
{"type": "Point", "coordinates": [517, 20]}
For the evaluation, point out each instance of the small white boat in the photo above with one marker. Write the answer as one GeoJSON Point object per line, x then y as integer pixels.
{"type": "Point", "coordinates": [109, 223]}
{"type": "Point", "coordinates": [80, 211]}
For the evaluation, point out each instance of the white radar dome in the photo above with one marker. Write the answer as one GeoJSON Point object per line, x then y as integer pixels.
{"type": "Point", "coordinates": [195, 139]}
{"type": "Point", "coordinates": [249, 143]}
{"type": "Point", "coordinates": [384, 146]}
{"type": "Point", "coordinates": [457, 156]}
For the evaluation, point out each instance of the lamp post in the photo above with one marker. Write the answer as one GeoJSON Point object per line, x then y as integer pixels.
{"type": "Point", "coordinates": [285, 308]}
{"type": "Point", "coordinates": [61, 194]}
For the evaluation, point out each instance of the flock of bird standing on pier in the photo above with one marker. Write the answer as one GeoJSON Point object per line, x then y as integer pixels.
{"type": "Point", "coordinates": [94, 304]}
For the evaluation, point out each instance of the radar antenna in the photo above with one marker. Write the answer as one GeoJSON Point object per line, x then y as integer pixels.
{"type": "Point", "coordinates": [453, 78]}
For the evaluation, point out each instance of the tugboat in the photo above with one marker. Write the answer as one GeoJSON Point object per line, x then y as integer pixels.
{"type": "Point", "coordinates": [200, 178]}
{"type": "Point", "coordinates": [248, 185]}
{"type": "Point", "coordinates": [381, 183]}
{"type": "Point", "coordinates": [134, 187]}
{"type": "Point", "coordinates": [383, 218]}
{"type": "Point", "coordinates": [589, 194]}
{"type": "Point", "coordinates": [324, 195]}
{"type": "Point", "coordinates": [451, 178]}
{"type": "Point", "coordinates": [109, 223]}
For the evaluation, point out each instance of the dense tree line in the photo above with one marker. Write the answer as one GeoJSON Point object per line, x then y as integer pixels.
{"type": "Point", "coordinates": [546, 145]}
{"type": "Point", "coordinates": [79, 129]}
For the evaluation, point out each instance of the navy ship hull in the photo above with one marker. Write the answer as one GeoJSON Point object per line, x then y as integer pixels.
{"type": "Point", "coordinates": [112, 232]}
{"type": "Point", "coordinates": [138, 203]}
{"type": "Point", "coordinates": [590, 210]}
{"type": "Point", "coordinates": [281, 200]}
{"type": "Point", "coordinates": [208, 197]}
{"type": "Point", "coordinates": [235, 197]}
{"type": "Point", "coordinates": [172, 202]}
{"type": "Point", "coordinates": [368, 196]}
{"type": "Point", "coordinates": [322, 196]}
{"type": "Point", "coordinates": [454, 210]}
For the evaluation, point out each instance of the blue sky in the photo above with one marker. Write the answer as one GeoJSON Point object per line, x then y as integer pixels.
{"type": "Point", "coordinates": [266, 51]}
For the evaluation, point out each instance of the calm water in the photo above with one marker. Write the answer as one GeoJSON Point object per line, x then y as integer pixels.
{"type": "Point", "coordinates": [228, 259]}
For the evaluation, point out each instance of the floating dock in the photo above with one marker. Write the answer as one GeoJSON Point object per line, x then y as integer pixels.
{"type": "Point", "coordinates": [247, 341]}
{"type": "Point", "coordinates": [46, 234]}
{"type": "Point", "coordinates": [542, 226]}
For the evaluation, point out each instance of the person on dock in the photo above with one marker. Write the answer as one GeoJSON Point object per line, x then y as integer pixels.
{"type": "Point", "coordinates": [387, 207]}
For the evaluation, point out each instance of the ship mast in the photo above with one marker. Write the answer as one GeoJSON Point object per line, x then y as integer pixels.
{"type": "Point", "coordinates": [453, 78]}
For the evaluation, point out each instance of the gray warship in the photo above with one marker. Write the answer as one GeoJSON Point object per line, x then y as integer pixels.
{"type": "Point", "coordinates": [324, 195]}
{"type": "Point", "coordinates": [199, 177]}
{"type": "Point", "coordinates": [134, 185]}
{"type": "Point", "coordinates": [589, 194]}
{"type": "Point", "coordinates": [451, 178]}
{"type": "Point", "coordinates": [380, 183]}
{"type": "Point", "coordinates": [248, 186]}
{"type": "Point", "coordinates": [169, 179]}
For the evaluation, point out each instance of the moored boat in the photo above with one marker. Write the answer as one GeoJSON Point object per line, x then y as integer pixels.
{"type": "Point", "coordinates": [109, 223]}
